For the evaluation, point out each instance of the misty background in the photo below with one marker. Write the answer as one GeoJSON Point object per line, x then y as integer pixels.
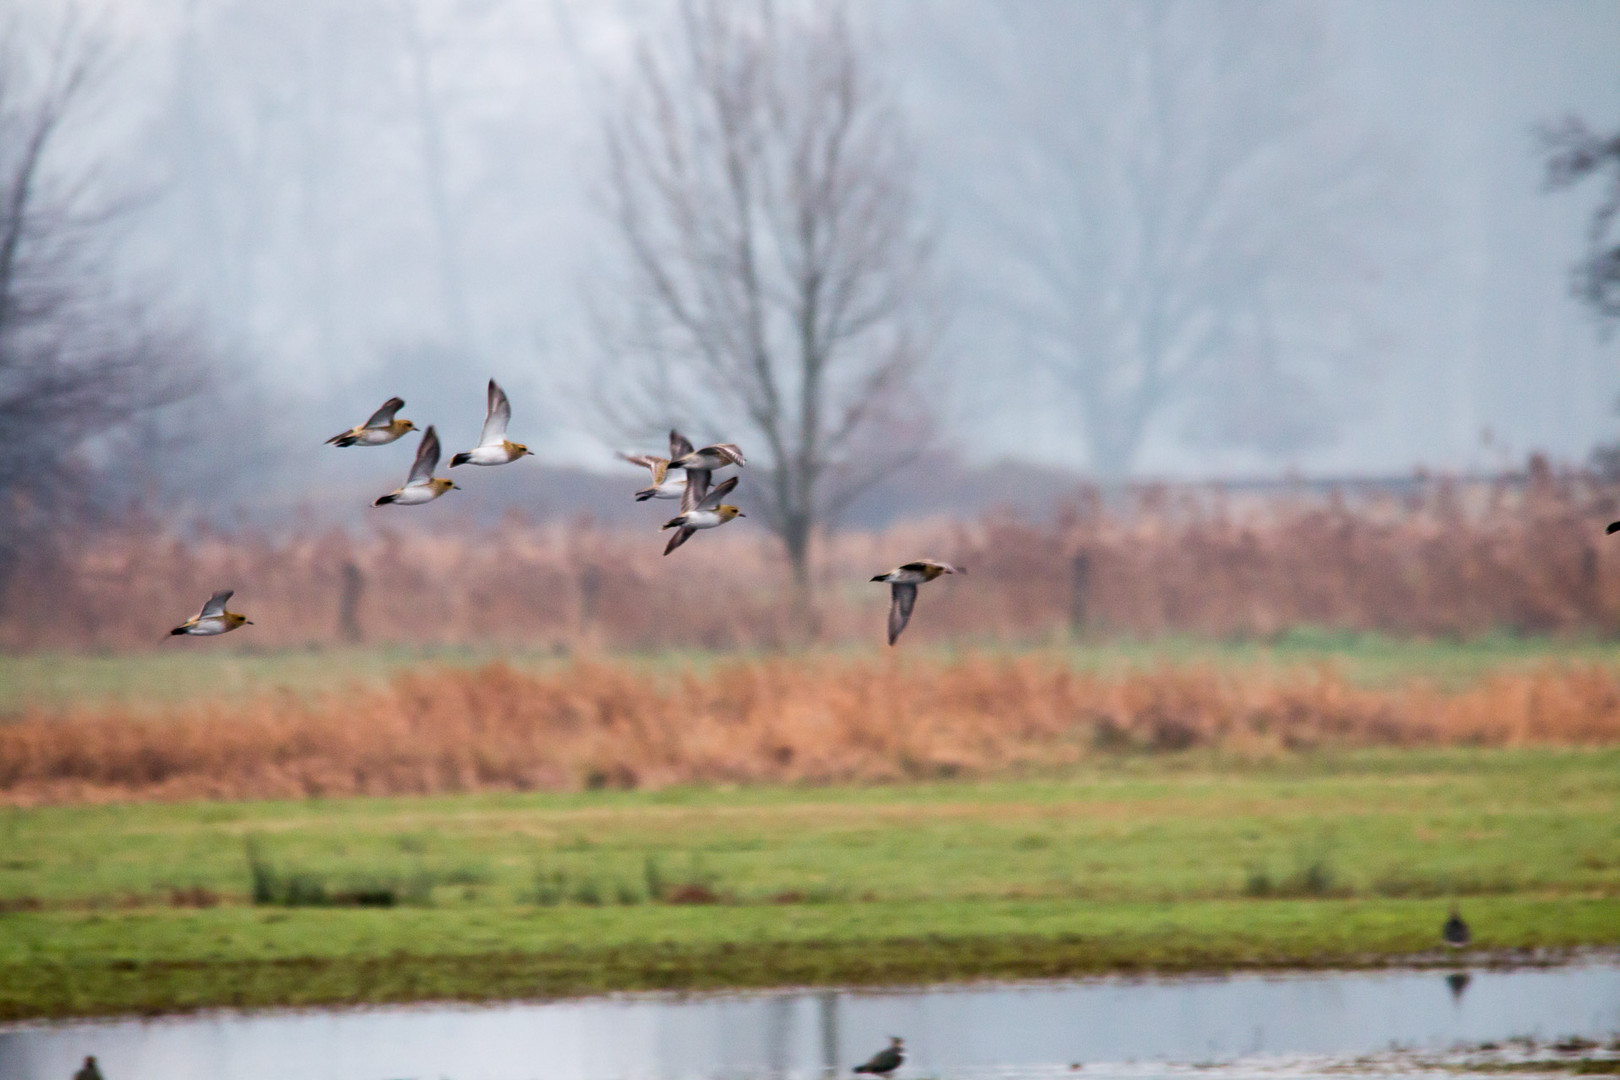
{"type": "Point", "coordinates": [335, 203]}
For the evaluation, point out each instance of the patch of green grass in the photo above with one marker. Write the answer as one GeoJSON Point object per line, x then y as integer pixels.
{"type": "Point", "coordinates": [176, 672]}
{"type": "Point", "coordinates": [1192, 861]}
{"type": "Point", "coordinates": [65, 964]}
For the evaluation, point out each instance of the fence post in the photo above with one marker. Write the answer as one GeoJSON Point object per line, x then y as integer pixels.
{"type": "Point", "coordinates": [1079, 591]}
{"type": "Point", "coordinates": [590, 590]}
{"type": "Point", "coordinates": [354, 584]}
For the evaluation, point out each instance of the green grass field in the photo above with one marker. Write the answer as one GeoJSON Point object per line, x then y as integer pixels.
{"type": "Point", "coordinates": [185, 670]}
{"type": "Point", "coordinates": [1169, 863]}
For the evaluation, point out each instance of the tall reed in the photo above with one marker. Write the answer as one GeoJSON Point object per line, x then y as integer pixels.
{"type": "Point", "coordinates": [1439, 559]}
{"type": "Point", "coordinates": [595, 724]}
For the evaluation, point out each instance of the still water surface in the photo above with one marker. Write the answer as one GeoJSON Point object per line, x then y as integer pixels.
{"type": "Point", "coordinates": [1247, 1025]}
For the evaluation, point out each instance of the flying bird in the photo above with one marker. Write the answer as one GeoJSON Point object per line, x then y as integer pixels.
{"type": "Point", "coordinates": [493, 448]}
{"type": "Point", "coordinates": [380, 430]}
{"type": "Point", "coordinates": [1455, 932]}
{"type": "Point", "coordinates": [665, 485]}
{"type": "Point", "coordinates": [699, 464]}
{"type": "Point", "coordinates": [213, 618]}
{"type": "Point", "coordinates": [717, 456]}
{"type": "Point", "coordinates": [887, 1060]}
{"type": "Point", "coordinates": [421, 486]}
{"type": "Point", "coordinates": [700, 509]}
{"type": "Point", "coordinates": [903, 581]}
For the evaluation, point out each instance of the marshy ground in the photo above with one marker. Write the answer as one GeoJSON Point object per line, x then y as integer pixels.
{"type": "Point", "coordinates": [1189, 861]}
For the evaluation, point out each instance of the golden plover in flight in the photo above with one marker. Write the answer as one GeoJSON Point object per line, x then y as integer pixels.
{"type": "Point", "coordinates": [700, 509]}
{"type": "Point", "coordinates": [903, 581]}
{"type": "Point", "coordinates": [213, 618]}
{"type": "Point", "coordinates": [380, 430]}
{"type": "Point", "coordinates": [667, 483]}
{"type": "Point", "coordinates": [421, 486]}
{"type": "Point", "coordinates": [699, 464]}
{"type": "Point", "coordinates": [493, 448]}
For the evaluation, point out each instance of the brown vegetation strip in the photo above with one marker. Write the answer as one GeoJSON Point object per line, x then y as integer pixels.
{"type": "Point", "coordinates": [1440, 558]}
{"type": "Point", "coordinates": [602, 725]}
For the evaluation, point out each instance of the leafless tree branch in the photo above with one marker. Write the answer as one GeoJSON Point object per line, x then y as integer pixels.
{"type": "Point", "coordinates": [774, 261]}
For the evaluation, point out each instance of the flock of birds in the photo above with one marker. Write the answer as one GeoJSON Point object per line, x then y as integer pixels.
{"type": "Point", "coordinates": [685, 474]}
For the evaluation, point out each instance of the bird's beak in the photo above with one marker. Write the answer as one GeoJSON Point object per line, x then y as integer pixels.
{"type": "Point", "coordinates": [741, 514]}
{"type": "Point", "coordinates": [247, 622]}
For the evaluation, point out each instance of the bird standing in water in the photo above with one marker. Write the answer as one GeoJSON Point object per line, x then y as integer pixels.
{"type": "Point", "coordinates": [493, 448]}
{"type": "Point", "coordinates": [885, 1061]}
{"type": "Point", "coordinates": [903, 581]}
{"type": "Point", "coordinates": [213, 618]}
{"type": "Point", "coordinates": [380, 430]}
{"type": "Point", "coordinates": [1455, 932]}
{"type": "Point", "coordinates": [421, 485]}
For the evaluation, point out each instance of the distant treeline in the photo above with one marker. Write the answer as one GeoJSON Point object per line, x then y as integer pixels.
{"type": "Point", "coordinates": [1439, 558]}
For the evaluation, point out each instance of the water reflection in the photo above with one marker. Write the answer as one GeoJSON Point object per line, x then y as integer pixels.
{"type": "Point", "coordinates": [1001, 1032]}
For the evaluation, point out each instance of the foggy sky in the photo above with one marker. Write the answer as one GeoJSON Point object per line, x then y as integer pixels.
{"type": "Point", "coordinates": [282, 150]}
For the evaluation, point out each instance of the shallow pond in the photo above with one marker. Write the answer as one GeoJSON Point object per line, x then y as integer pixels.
{"type": "Point", "coordinates": [1294, 1025]}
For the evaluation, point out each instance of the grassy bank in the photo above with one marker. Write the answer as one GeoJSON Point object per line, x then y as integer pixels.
{"type": "Point", "coordinates": [183, 671]}
{"type": "Point", "coordinates": [1168, 863]}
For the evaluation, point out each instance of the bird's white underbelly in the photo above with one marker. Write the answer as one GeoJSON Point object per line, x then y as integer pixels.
{"type": "Point", "coordinates": [703, 519]}
{"type": "Point", "coordinates": [488, 455]}
{"type": "Point", "coordinates": [377, 437]}
{"type": "Point", "coordinates": [207, 627]}
{"type": "Point", "coordinates": [419, 493]}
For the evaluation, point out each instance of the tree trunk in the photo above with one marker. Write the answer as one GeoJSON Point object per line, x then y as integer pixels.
{"type": "Point", "coordinates": [796, 532]}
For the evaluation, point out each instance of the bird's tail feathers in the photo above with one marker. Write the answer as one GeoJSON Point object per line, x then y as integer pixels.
{"type": "Point", "coordinates": [881, 577]}
{"type": "Point", "coordinates": [646, 493]}
{"type": "Point", "coordinates": [383, 500]}
{"type": "Point", "coordinates": [461, 459]}
{"type": "Point", "coordinates": [344, 439]}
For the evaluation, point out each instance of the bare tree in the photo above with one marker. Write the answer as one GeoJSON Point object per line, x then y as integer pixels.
{"type": "Point", "coordinates": [1188, 226]}
{"type": "Point", "coordinates": [78, 362]}
{"type": "Point", "coordinates": [775, 264]}
{"type": "Point", "coordinates": [1575, 152]}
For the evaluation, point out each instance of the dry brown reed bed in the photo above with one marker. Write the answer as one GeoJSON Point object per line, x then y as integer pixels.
{"type": "Point", "coordinates": [795, 721]}
{"type": "Point", "coordinates": [1527, 555]}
